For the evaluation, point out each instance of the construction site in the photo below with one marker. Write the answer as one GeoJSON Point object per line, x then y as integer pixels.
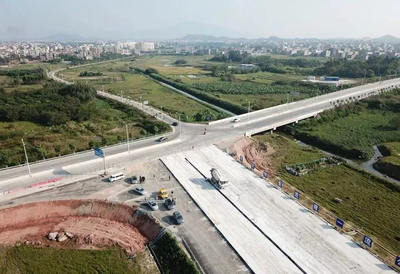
{"type": "Point", "coordinates": [232, 218]}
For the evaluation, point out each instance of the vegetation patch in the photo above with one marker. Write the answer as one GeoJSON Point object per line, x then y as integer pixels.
{"type": "Point", "coordinates": [28, 259]}
{"type": "Point", "coordinates": [368, 202]}
{"type": "Point", "coordinates": [353, 129]}
{"type": "Point", "coordinates": [172, 258]}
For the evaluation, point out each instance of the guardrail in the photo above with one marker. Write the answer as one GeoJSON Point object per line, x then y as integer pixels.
{"type": "Point", "coordinates": [364, 241]}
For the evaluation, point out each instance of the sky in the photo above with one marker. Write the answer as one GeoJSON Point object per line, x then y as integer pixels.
{"type": "Point", "coordinates": [125, 19]}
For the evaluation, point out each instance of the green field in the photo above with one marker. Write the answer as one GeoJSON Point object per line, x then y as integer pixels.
{"type": "Point", "coordinates": [7, 84]}
{"type": "Point", "coordinates": [26, 259]}
{"type": "Point", "coordinates": [117, 77]}
{"type": "Point", "coordinates": [352, 130]}
{"type": "Point", "coordinates": [367, 202]}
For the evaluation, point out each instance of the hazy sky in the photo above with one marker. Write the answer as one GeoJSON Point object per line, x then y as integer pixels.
{"type": "Point", "coordinates": [254, 18]}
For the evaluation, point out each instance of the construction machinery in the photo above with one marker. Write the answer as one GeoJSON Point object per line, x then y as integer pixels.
{"type": "Point", "coordinates": [217, 179]}
{"type": "Point", "coordinates": [163, 193]}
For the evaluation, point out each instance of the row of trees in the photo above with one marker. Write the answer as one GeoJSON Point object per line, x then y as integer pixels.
{"type": "Point", "coordinates": [90, 73]}
{"type": "Point", "coordinates": [374, 66]}
{"type": "Point", "coordinates": [25, 76]}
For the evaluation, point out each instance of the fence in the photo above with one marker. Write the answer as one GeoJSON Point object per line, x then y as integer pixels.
{"type": "Point", "coordinates": [367, 242]}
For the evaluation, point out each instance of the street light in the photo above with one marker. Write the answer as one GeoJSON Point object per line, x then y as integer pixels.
{"type": "Point", "coordinates": [180, 126]}
{"type": "Point", "coordinates": [248, 111]}
{"type": "Point", "coordinates": [26, 157]}
{"type": "Point", "coordinates": [127, 135]}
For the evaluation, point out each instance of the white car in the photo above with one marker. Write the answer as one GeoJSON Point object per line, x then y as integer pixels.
{"type": "Point", "coordinates": [237, 120]}
{"type": "Point", "coordinates": [153, 205]}
{"type": "Point", "coordinates": [140, 190]}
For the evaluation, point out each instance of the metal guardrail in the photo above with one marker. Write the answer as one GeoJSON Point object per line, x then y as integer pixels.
{"type": "Point", "coordinates": [378, 250]}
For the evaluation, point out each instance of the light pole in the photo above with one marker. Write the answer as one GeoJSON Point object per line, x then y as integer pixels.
{"type": "Point", "coordinates": [26, 157]}
{"type": "Point", "coordinates": [180, 126]}
{"type": "Point", "coordinates": [248, 111]}
{"type": "Point", "coordinates": [127, 135]}
{"type": "Point", "coordinates": [122, 95]}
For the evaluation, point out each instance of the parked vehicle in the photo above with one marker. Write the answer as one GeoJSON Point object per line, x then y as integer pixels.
{"type": "Point", "coordinates": [178, 218]}
{"type": "Point", "coordinates": [116, 177]}
{"type": "Point", "coordinates": [140, 190]}
{"type": "Point", "coordinates": [236, 120]}
{"type": "Point", "coordinates": [175, 124]}
{"type": "Point", "coordinates": [162, 139]}
{"type": "Point", "coordinates": [163, 193]}
{"type": "Point", "coordinates": [134, 179]}
{"type": "Point", "coordinates": [170, 203]}
{"type": "Point", "coordinates": [153, 205]}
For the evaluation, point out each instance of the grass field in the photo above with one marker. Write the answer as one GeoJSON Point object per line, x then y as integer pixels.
{"type": "Point", "coordinates": [367, 202]}
{"type": "Point", "coordinates": [104, 128]}
{"type": "Point", "coordinates": [26, 259]}
{"type": "Point", "coordinates": [117, 77]}
{"type": "Point", "coordinates": [6, 83]}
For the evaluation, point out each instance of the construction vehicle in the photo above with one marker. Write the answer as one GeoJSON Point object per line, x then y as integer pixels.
{"type": "Point", "coordinates": [170, 203]}
{"type": "Point", "coordinates": [217, 179]}
{"type": "Point", "coordinates": [163, 193]}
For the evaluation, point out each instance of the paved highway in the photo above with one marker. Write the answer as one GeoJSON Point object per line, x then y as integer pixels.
{"type": "Point", "coordinates": [191, 134]}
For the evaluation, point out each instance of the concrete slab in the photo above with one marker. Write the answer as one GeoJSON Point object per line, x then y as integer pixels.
{"type": "Point", "coordinates": [316, 247]}
{"type": "Point", "coordinates": [254, 248]}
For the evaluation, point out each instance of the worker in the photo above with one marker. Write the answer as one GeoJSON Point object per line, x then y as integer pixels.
{"type": "Point", "coordinates": [205, 131]}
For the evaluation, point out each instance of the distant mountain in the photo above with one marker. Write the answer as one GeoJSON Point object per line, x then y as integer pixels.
{"type": "Point", "coordinates": [387, 38]}
{"type": "Point", "coordinates": [185, 28]}
{"type": "Point", "coordinates": [202, 37]}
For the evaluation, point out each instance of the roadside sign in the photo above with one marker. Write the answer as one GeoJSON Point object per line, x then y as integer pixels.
{"type": "Point", "coordinates": [241, 158]}
{"type": "Point", "coordinates": [339, 222]}
{"type": "Point", "coordinates": [209, 118]}
{"type": "Point", "coordinates": [253, 165]}
{"type": "Point", "coordinates": [296, 194]}
{"type": "Point", "coordinates": [145, 102]}
{"type": "Point", "coordinates": [99, 152]}
{"type": "Point", "coordinates": [265, 174]}
{"type": "Point", "coordinates": [315, 207]}
{"type": "Point", "coordinates": [280, 184]}
{"type": "Point", "coordinates": [367, 241]}
{"type": "Point", "coordinates": [397, 261]}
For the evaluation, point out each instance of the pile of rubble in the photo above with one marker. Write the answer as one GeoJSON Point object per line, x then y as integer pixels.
{"type": "Point", "coordinates": [59, 236]}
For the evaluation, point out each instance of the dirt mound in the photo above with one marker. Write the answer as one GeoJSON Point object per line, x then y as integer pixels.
{"type": "Point", "coordinates": [254, 152]}
{"type": "Point", "coordinates": [101, 222]}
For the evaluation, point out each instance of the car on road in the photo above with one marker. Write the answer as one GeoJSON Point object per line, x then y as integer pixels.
{"type": "Point", "coordinates": [140, 190]}
{"type": "Point", "coordinates": [178, 218]}
{"type": "Point", "coordinates": [175, 124]}
{"type": "Point", "coordinates": [134, 179]}
{"type": "Point", "coordinates": [236, 120]}
{"type": "Point", "coordinates": [153, 205]}
{"type": "Point", "coordinates": [162, 139]}
{"type": "Point", "coordinates": [116, 177]}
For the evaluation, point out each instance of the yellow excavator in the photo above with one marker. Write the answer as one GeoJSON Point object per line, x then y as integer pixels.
{"type": "Point", "coordinates": [163, 193]}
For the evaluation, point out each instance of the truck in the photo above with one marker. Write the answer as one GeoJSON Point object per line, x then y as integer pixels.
{"type": "Point", "coordinates": [217, 179]}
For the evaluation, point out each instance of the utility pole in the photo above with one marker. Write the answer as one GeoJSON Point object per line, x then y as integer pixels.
{"type": "Point", "coordinates": [180, 127]}
{"type": "Point", "coordinates": [122, 95]}
{"type": "Point", "coordinates": [26, 157]}
{"type": "Point", "coordinates": [104, 162]}
{"type": "Point", "coordinates": [248, 111]}
{"type": "Point", "coordinates": [127, 135]}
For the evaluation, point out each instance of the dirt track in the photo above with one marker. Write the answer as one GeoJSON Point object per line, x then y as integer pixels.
{"type": "Point", "coordinates": [95, 223]}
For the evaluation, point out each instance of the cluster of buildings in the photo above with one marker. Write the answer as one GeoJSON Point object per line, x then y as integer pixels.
{"type": "Point", "coordinates": [330, 49]}
{"type": "Point", "coordinates": [26, 51]}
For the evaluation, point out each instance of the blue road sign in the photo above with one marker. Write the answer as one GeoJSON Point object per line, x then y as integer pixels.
{"type": "Point", "coordinates": [368, 241]}
{"type": "Point", "coordinates": [265, 174]}
{"type": "Point", "coordinates": [315, 207]}
{"type": "Point", "coordinates": [253, 166]}
{"type": "Point", "coordinates": [397, 261]}
{"type": "Point", "coordinates": [241, 158]}
{"type": "Point", "coordinates": [296, 194]}
{"type": "Point", "coordinates": [280, 183]}
{"type": "Point", "coordinates": [98, 152]}
{"type": "Point", "coordinates": [208, 118]}
{"type": "Point", "coordinates": [339, 222]}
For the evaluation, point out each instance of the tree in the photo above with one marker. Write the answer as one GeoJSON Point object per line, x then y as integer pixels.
{"type": "Point", "coordinates": [156, 129]}
{"type": "Point", "coordinates": [180, 62]}
{"type": "Point", "coordinates": [396, 122]}
{"type": "Point", "coordinates": [2, 90]}
{"type": "Point", "coordinates": [151, 71]}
